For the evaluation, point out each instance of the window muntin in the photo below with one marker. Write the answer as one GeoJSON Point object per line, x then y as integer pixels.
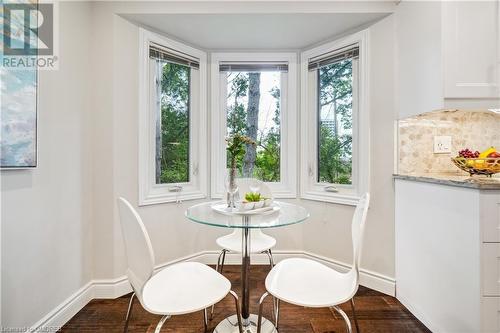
{"type": "Point", "coordinates": [253, 107]}
{"type": "Point", "coordinates": [335, 122]}
{"type": "Point", "coordinates": [172, 122]}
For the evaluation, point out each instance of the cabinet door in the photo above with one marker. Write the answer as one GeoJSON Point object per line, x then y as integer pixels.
{"type": "Point", "coordinates": [490, 216]}
{"type": "Point", "coordinates": [490, 258]}
{"type": "Point", "coordinates": [470, 39]}
{"type": "Point", "coordinates": [490, 314]}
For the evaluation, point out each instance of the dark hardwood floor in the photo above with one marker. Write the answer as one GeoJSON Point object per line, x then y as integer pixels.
{"type": "Point", "coordinates": [376, 313]}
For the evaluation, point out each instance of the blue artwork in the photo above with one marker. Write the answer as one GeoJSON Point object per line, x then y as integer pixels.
{"type": "Point", "coordinates": [18, 117]}
{"type": "Point", "coordinates": [18, 109]}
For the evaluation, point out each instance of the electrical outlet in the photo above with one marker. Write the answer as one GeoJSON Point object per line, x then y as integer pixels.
{"type": "Point", "coordinates": [442, 144]}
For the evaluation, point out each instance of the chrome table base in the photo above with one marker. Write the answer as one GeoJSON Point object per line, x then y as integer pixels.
{"type": "Point", "coordinates": [230, 325]}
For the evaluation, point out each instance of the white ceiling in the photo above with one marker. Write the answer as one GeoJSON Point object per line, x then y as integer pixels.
{"type": "Point", "coordinates": [254, 31]}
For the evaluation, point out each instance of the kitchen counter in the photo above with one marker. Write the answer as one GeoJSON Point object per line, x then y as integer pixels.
{"type": "Point", "coordinates": [453, 179]}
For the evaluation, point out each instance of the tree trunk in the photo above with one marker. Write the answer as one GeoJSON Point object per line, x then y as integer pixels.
{"type": "Point", "coordinates": [252, 122]}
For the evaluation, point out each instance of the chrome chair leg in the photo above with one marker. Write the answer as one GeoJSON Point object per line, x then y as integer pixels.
{"type": "Point", "coordinates": [271, 263]}
{"type": "Point", "coordinates": [218, 261]}
{"type": "Point", "coordinates": [129, 311]}
{"type": "Point", "coordinates": [261, 305]}
{"type": "Point", "coordinates": [346, 319]}
{"type": "Point", "coordinates": [238, 312]}
{"type": "Point", "coordinates": [160, 323]}
{"type": "Point", "coordinates": [271, 259]}
{"type": "Point", "coordinates": [277, 314]}
{"type": "Point", "coordinates": [355, 316]}
{"type": "Point", "coordinates": [205, 321]}
{"type": "Point", "coordinates": [217, 269]}
{"type": "Point", "coordinates": [223, 260]}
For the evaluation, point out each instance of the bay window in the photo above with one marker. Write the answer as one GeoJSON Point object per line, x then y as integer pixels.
{"type": "Point", "coordinates": [334, 121]}
{"type": "Point", "coordinates": [253, 94]}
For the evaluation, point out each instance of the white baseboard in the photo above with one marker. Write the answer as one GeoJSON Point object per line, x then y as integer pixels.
{"type": "Point", "coordinates": [113, 288]}
{"type": "Point", "coordinates": [66, 310]}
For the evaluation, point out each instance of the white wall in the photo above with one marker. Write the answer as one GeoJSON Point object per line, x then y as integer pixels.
{"type": "Point", "coordinates": [46, 212]}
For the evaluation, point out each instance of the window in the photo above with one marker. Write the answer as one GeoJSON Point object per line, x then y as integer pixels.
{"type": "Point", "coordinates": [253, 108]}
{"type": "Point", "coordinates": [172, 146]}
{"type": "Point", "coordinates": [335, 118]}
{"type": "Point", "coordinates": [172, 121]}
{"type": "Point", "coordinates": [254, 99]}
{"type": "Point", "coordinates": [335, 103]}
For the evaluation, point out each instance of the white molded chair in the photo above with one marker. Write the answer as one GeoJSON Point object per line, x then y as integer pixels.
{"type": "Point", "coordinates": [308, 283]}
{"type": "Point", "coordinates": [259, 241]}
{"type": "Point", "coordinates": [177, 289]}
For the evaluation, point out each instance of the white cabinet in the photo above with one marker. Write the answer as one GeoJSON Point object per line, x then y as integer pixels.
{"type": "Point", "coordinates": [447, 55]}
{"type": "Point", "coordinates": [490, 274]}
{"type": "Point", "coordinates": [490, 316]}
{"type": "Point", "coordinates": [448, 256]}
{"type": "Point", "coordinates": [470, 38]}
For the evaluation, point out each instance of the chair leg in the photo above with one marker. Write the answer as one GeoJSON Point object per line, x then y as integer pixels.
{"type": "Point", "coordinates": [129, 311]}
{"type": "Point", "coordinates": [271, 259]}
{"type": "Point", "coordinates": [217, 269]}
{"type": "Point", "coordinates": [355, 316]}
{"type": "Point", "coordinates": [277, 314]}
{"type": "Point", "coordinates": [275, 301]}
{"type": "Point", "coordinates": [218, 260]}
{"type": "Point", "coordinates": [160, 324]}
{"type": "Point", "coordinates": [223, 260]}
{"type": "Point", "coordinates": [238, 312]}
{"type": "Point", "coordinates": [205, 320]}
{"type": "Point", "coordinates": [261, 305]}
{"type": "Point", "coordinates": [346, 319]}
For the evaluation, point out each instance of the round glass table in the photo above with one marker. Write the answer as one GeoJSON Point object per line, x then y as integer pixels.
{"type": "Point", "coordinates": [282, 214]}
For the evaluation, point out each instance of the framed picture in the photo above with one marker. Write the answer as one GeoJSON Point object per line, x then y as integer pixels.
{"type": "Point", "coordinates": [18, 108]}
{"type": "Point", "coordinates": [18, 119]}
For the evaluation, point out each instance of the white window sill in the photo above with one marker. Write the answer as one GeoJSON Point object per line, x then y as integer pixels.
{"type": "Point", "coordinates": [338, 198]}
{"type": "Point", "coordinates": [276, 195]}
{"type": "Point", "coordinates": [171, 197]}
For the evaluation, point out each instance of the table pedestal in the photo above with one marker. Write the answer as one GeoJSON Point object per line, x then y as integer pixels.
{"type": "Point", "coordinates": [230, 325]}
{"type": "Point", "coordinates": [249, 321]}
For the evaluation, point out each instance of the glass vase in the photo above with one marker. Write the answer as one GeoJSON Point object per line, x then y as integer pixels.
{"type": "Point", "coordinates": [231, 187]}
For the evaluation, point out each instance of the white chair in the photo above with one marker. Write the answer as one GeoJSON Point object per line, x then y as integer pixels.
{"type": "Point", "coordinates": [177, 289]}
{"type": "Point", "coordinates": [259, 241]}
{"type": "Point", "coordinates": [308, 283]}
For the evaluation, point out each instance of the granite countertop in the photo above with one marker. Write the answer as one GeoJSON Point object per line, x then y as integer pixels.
{"type": "Point", "coordinates": [453, 179]}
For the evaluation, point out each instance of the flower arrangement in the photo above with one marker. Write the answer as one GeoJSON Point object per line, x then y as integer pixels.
{"type": "Point", "coordinates": [235, 148]}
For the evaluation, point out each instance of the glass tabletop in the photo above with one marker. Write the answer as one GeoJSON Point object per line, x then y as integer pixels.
{"type": "Point", "coordinates": [284, 214]}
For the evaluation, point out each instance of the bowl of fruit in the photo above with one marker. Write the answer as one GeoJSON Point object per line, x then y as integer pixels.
{"type": "Point", "coordinates": [476, 163]}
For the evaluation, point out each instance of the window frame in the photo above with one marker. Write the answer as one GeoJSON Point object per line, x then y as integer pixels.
{"type": "Point", "coordinates": [197, 187]}
{"type": "Point", "coordinates": [287, 186]}
{"type": "Point", "coordinates": [310, 188]}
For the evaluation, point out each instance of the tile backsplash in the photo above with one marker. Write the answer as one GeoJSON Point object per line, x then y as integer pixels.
{"type": "Point", "coordinates": [476, 130]}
